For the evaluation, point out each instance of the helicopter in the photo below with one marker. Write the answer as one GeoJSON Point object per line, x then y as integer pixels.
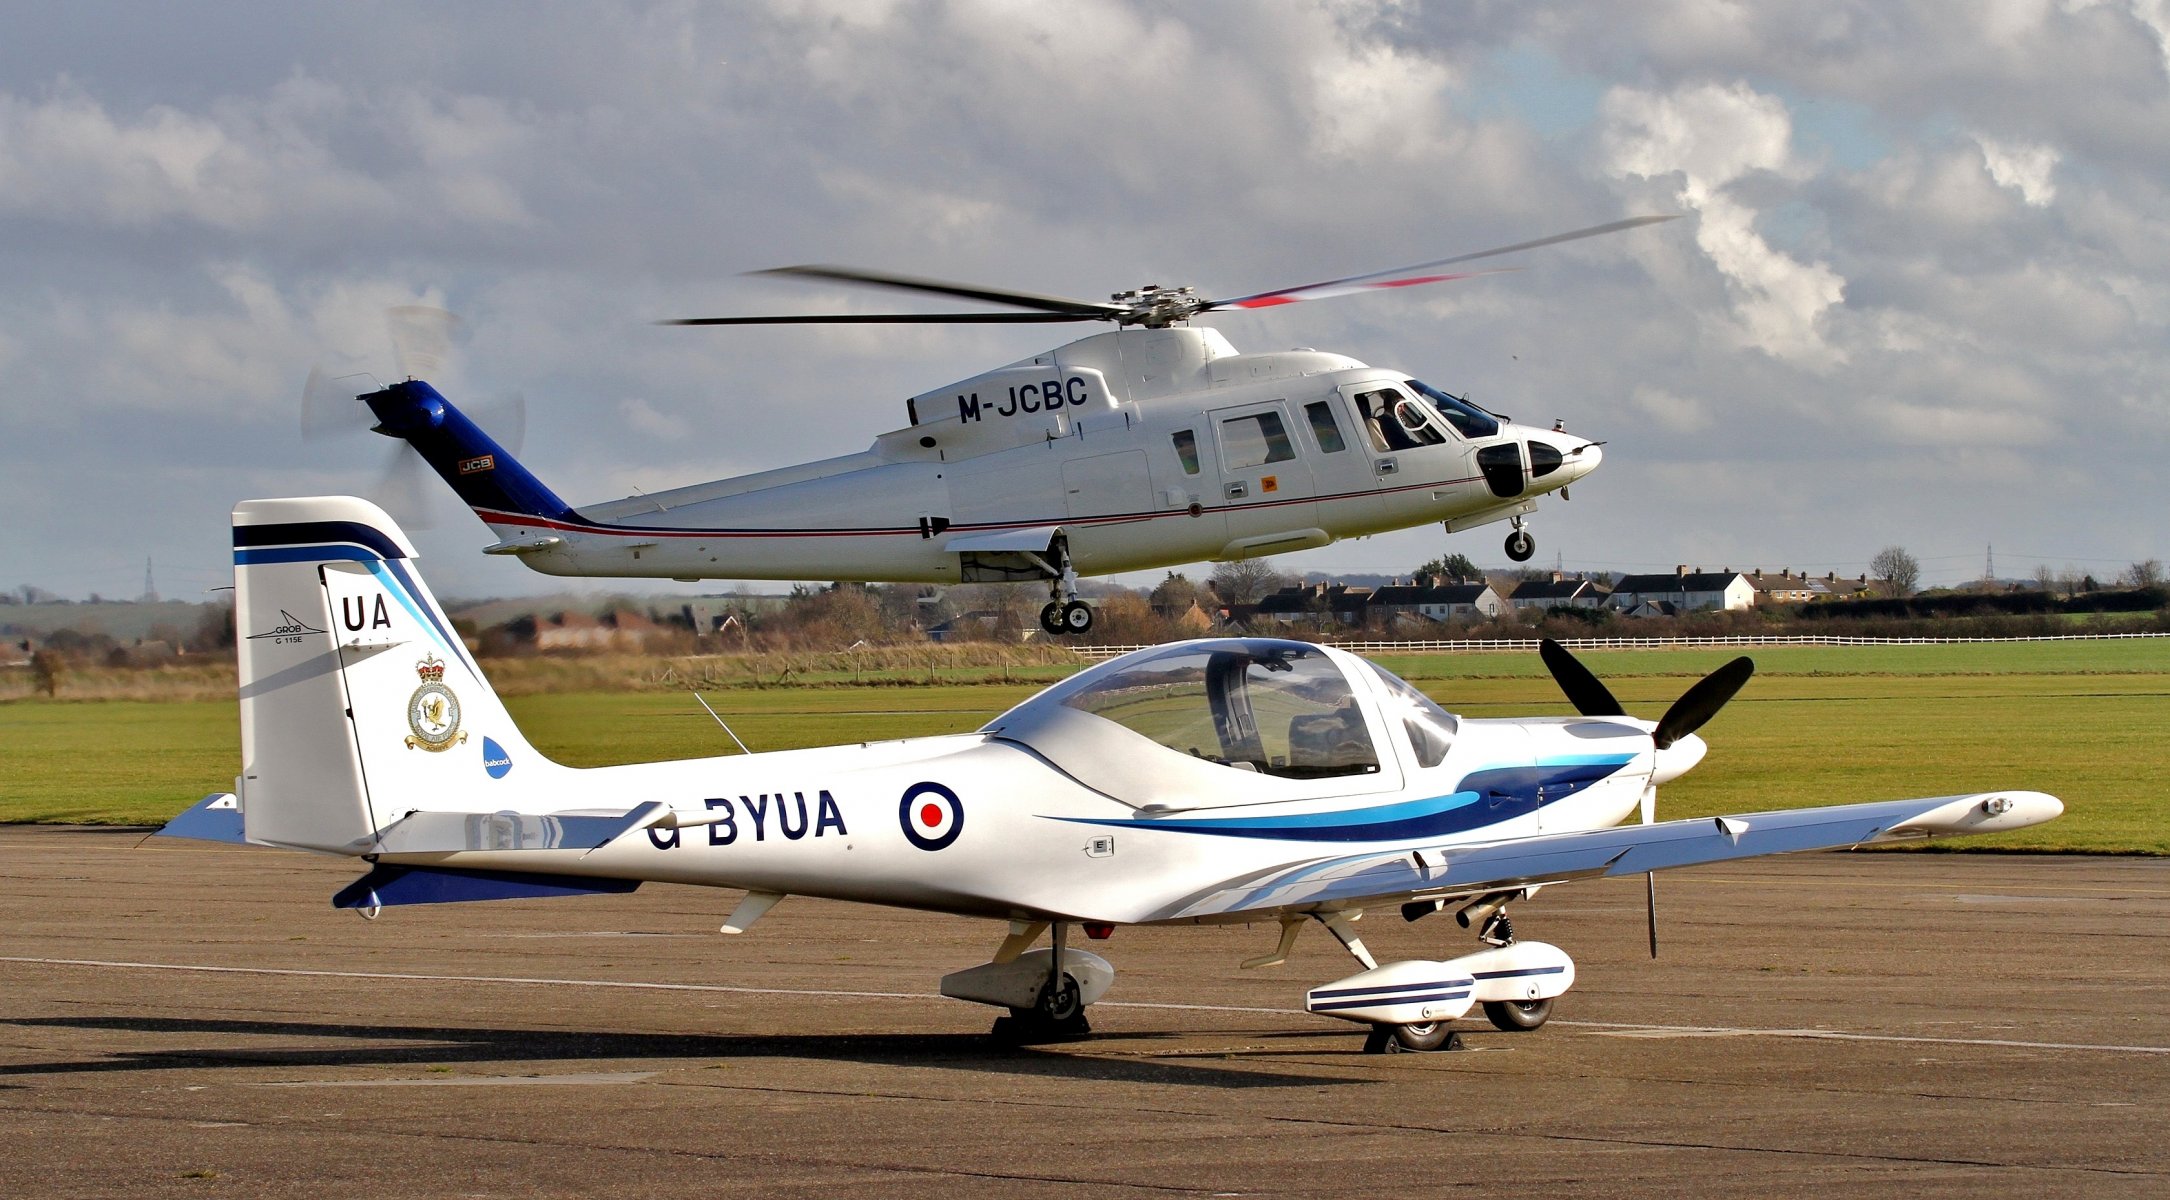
{"type": "Point", "coordinates": [1150, 445]}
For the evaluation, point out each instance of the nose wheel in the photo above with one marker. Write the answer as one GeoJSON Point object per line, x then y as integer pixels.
{"type": "Point", "coordinates": [1520, 545]}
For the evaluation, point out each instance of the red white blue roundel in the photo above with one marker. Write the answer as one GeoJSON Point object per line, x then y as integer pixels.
{"type": "Point", "coordinates": [931, 816]}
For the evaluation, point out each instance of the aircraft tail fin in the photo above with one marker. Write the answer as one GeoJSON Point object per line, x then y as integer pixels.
{"type": "Point", "coordinates": [359, 703]}
{"type": "Point", "coordinates": [486, 476]}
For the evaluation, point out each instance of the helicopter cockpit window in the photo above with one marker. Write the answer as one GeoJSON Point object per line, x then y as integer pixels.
{"type": "Point", "coordinates": [1255, 440]}
{"type": "Point", "coordinates": [1273, 708]}
{"type": "Point", "coordinates": [1467, 419]}
{"type": "Point", "coordinates": [1393, 421]}
{"type": "Point", "coordinates": [1324, 429]}
{"type": "Point", "coordinates": [1186, 450]}
{"type": "Point", "coordinates": [1430, 727]}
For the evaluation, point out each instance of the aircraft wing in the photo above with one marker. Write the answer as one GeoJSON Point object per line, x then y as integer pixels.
{"type": "Point", "coordinates": [1355, 880]}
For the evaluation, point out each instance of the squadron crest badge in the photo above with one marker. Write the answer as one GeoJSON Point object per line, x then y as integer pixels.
{"type": "Point", "coordinates": [433, 712]}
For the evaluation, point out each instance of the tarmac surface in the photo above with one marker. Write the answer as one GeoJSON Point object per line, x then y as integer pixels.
{"type": "Point", "coordinates": [180, 1018]}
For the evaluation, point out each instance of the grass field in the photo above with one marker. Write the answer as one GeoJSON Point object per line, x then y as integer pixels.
{"type": "Point", "coordinates": [1818, 725]}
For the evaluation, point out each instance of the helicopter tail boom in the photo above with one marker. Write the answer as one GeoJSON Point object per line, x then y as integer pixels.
{"type": "Point", "coordinates": [483, 473]}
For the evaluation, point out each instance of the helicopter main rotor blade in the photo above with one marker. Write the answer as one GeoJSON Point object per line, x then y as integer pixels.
{"type": "Point", "coordinates": [1584, 690]}
{"type": "Point", "coordinates": [995, 318]}
{"type": "Point", "coordinates": [1418, 273]}
{"type": "Point", "coordinates": [1081, 309]}
{"type": "Point", "coordinates": [1702, 702]}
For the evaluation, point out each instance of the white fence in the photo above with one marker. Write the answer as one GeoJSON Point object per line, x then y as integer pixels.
{"type": "Point", "coordinates": [1529, 645]}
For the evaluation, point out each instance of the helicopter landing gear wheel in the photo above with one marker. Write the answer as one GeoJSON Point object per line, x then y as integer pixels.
{"type": "Point", "coordinates": [1051, 617]}
{"type": "Point", "coordinates": [1517, 1016]}
{"type": "Point", "coordinates": [1077, 617]}
{"type": "Point", "coordinates": [1520, 545]}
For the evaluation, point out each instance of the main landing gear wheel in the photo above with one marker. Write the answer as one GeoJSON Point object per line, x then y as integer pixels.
{"type": "Point", "coordinates": [1517, 1016]}
{"type": "Point", "coordinates": [1057, 1016]}
{"type": "Point", "coordinates": [1424, 1038]}
{"type": "Point", "coordinates": [1077, 617]}
{"type": "Point", "coordinates": [1051, 617]}
{"type": "Point", "coordinates": [1521, 546]}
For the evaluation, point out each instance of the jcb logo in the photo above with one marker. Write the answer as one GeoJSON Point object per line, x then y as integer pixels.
{"type": "Point", "coordinates": [471, 466]}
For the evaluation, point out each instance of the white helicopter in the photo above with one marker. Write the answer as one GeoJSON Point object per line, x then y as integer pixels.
{"type": "Point", "coordinates": [1227, 780]}
{"type": "Point", "coordinates": [1152, 445]}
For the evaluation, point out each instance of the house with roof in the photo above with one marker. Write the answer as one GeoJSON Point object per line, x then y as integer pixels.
{"type": "Point", "coordinates": [1311, 601]}
{"type": "Point", "coordinates": [1436, 599]}
{"type": "Point", "coordinates": [1558, 592]}
{"type": "Point", "coordinates": [1683, 590]}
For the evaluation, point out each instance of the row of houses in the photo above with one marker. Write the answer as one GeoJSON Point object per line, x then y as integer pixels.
{"type": "Point", "coordinates": [1662, 594]}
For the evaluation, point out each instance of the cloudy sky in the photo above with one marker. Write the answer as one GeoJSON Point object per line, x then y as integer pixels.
{"type": "Point", "coordinates": [1920, 294]}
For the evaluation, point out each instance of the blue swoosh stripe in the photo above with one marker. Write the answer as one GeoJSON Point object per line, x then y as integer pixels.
{"type": "Point", "coordinates": [1458, 812]}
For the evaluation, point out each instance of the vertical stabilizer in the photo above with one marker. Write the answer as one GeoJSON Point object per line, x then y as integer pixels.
{"type": "Point", "coordinates": [359, 703]}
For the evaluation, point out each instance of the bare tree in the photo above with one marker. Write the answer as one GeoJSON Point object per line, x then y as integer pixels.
{"type": "Point", "coordinates": [1897, 572]}
{"type": "Point", "coordinates": [2143, 574]}
{"type": "Point", "coordinates": [1245, 580]}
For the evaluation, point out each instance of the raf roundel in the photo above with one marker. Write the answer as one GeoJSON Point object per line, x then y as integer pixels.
{"type": "Point", "coordinates": [931, 815]}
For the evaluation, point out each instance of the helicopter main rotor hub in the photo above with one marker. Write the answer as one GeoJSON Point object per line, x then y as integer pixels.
{"type": "Point", "coordinates": [1156, 307]}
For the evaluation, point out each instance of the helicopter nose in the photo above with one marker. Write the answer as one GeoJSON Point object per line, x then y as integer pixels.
{"type": "Point", "coordinates": [1583, 459]}
{"type": "Point", "coordinates": [1557, 460]}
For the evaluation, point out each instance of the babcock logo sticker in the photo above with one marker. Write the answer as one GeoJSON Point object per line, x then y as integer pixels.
{"type": "Point", "coordinates": [495, 760]}
{"type": "Point", "coordinates": [931, 816]}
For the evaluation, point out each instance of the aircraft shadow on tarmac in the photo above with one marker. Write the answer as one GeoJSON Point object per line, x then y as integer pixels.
{"type": "Point", "coordinates": [439, 1046]}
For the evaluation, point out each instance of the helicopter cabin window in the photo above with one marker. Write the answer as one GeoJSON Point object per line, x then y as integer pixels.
{"type": "Point", "coordinates": [1467, 419]}
{"type": "Point", "coordinates": [1255, 440]}
{"type": "Point", "coordinates": [1324, 428]}
{"type": "Point", "coordinates": [1396, 422]}
{"type": "Point", "coordinates": [1271, 707]}
{"type": "Point", "coordinates": [1186, 450]}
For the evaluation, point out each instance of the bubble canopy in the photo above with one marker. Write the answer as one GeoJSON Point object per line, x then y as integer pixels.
{"type": "Point", "coordinates": [1221, 721]}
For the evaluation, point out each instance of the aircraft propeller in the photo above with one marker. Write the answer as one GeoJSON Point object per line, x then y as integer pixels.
{"type": "Point", "coordinates": [421, 339]}
{"type": "Point", "coordinates": [1690, 712]}
{"type": "Point", "coordinates": [1152, 306]}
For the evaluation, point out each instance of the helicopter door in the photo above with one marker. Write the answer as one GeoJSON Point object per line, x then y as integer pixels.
{"type": "Point", "coordinates": [1266, 485]}
{"type": "Point", "coordinates": [1346, 483]}
{"type": "Point", "coordinates": [1107, 484]}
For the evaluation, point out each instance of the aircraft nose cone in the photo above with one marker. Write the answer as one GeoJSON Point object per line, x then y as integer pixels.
{"type": "Point", "coordinates": [1678, 759]}
{"type": "Point", "coordinates": [1584, 459]}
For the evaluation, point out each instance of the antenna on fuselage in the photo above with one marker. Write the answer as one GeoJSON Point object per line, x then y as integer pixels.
{"type": "Point", "coordinates": [719, 720]}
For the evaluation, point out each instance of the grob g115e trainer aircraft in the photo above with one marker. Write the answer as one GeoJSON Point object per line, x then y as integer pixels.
{"type": "Point", "coordinates": [1148, 446]}
{"type": "Point", "coordinates": [1234, 779]}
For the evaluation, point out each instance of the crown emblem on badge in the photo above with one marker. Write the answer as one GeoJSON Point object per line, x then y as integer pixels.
{"type": "Point", "coordinates": [431, 669]}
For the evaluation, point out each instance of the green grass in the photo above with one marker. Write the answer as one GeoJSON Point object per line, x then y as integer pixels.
{"type": "Point", "coordinates": [2084, 720]}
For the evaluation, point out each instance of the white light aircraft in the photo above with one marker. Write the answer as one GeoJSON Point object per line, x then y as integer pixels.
{"type": "Point", "coordinates": [1151, 445]}
{"type": "Point", "coordinates": [1227, 780]}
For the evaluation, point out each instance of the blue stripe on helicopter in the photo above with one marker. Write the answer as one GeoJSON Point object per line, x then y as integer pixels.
{"type": "Point", "coordinates": [1435, 816]}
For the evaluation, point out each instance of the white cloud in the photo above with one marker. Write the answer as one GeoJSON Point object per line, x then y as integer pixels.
{"type": "Point", "coordinates": [2024, 168]}
{"type": "Point", "coordinates": [1713, 136]}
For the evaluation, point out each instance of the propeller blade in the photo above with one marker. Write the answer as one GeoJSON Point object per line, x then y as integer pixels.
{"type": "Point", "coordinates": [1584, 690]}
{"type": "Point", "coordinates": [1702, 702]}
{"type": "Point", "coordinates": [887, 319]}
{"type": "Point", "coordinates": [1085, 309]}
{"type": "Point", "coordinates": [328, 407]}
{"type": "Point", "coordinates": [408, 491]}
{"type": "Point", "coordinates": [421, 338]}
{"type": "Point", "coordinates": [1419, 273]}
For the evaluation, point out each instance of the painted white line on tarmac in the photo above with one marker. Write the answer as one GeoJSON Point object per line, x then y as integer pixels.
{"type": "Point", "coordinates": [1600, 1028]}
{"type": "Point", "coordinates": [1612, 1029]}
